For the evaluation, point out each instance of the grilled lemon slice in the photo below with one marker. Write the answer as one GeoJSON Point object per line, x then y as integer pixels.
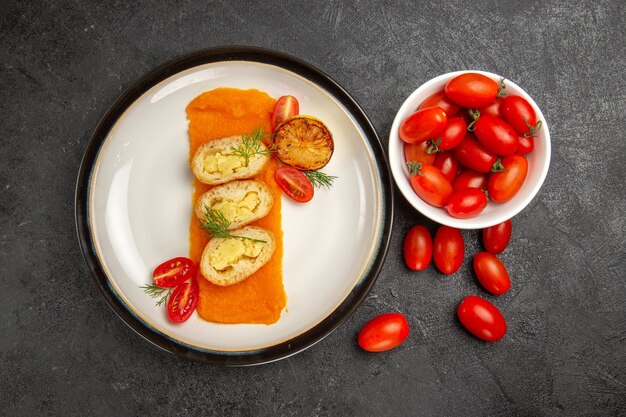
{"type": "Point", "coordinates": [303, 142]}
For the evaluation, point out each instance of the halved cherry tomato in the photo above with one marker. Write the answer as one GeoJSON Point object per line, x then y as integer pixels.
{"type": "Point", "coordinates": [526, 144]}
{"type": "Point", "coordinates": [448, 249]}
{"type": "Point", "coordinates": [183, 301]}
{"type": "Point", "coordinates": [451, 135]}
{"type": "Point", "coordinates": [491, 273]}
{"type": "Point", "coordinates": [518, 112]}
{"type": "Point", "coordinates": [174, 272]}
{"type": "Point", "coordinates": [294, 184]}
{"type": "Point", "coordinates": [482, 319]}
{"type": "Point", "coordinates": [418, 248]}
{"type": "Point", "coordinates": [285, 107]}
{"type": "Point", "coordinates": [423, 125]}
{"type": "Point", "coordinates": [473, 155]}
{"type": "Point", "coordinates": [465, 203]}
{"type": "Point", "coordinates": [384, 332]}
{"type": "Point", "coordinates": [472, 90]}
{"type": "Point", "coordinates": [496, 135]}
{"type": "Point", "coordinates": [492, 109]}
{"type": "Point", "coordinates": [447, 164]}
{"type": "Point", "coordinates": [469, 178]}
{"type": "Point", "coordinates": [430, 184]}
{"type": "Point", "coordinates": [502, 186]}
{"type": "Point", "coordinates": [496, 238]}
{"type": "Point", "coordinates": [441, 100]}
{"type": "Point", "coordinates": [418, 152]}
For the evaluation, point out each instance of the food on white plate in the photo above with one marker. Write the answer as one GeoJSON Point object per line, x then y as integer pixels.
{"type": "Point", "coordinates": [240, 202]}
{"type": "Point", "coordinates": [227, 261]}
{"type": "Point", "coordinates": [230, 158]}
{"type": "Point", "coordinates": [303, 142]}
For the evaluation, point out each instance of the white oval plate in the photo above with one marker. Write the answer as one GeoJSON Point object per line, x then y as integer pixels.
{"type": "Point", "coordinates": [133, 206]}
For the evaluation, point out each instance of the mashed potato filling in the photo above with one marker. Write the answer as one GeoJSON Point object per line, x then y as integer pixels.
{"type": "Point", "coordinates": [238, 210]}
{"type": "Point", "coordinates": [222, 163]}
{"type": "Point", "coordinates": [231, 251]}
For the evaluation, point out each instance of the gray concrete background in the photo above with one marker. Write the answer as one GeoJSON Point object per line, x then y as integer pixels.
{"type": "Point", "coordinates": [62, 350]}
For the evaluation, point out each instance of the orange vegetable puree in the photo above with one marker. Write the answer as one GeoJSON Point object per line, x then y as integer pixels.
{"type": "Point", "coordinates": [260, 298]}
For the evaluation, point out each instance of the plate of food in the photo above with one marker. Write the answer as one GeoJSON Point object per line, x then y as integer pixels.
{"type": "Point", "coordinates": [234, 206]}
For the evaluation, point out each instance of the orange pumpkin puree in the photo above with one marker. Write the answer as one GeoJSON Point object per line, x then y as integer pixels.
{"type": "Point", "coordinates": [260, 298]}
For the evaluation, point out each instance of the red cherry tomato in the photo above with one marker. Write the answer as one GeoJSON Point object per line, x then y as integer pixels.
{"type": "Point", "coordinates": [502, 186]}
{"type": "Point", "coordinates": [418, 248]}
{"type": "Point", "coordinates": [418, 152]}
{"type": "Point", "coordinates": [492, 109]}
{"type": "Point", "coordinates": [285, 107]}
{"type": "Point", "coordinates": [447, 164]}
{"type": "Point", "coordinates": [518, 113]}
{"type": "Point", "coordinates": [526, 144]}
{"type": "Point", "coordinates": [468, 178]}
{"type": "Point", "coordinates": [491, 273]}
{"type": "Point", "coordinates": [441, 100]}
{"type": "Point", "coordinates": [473, 155]}
{"type": "Point", "coordinates": [496, 238]}
{"type": "Point", "coordinates": [495, 135]}
{"type": "Point", "coordinates": [294, 184]}
{"type": "Point", "coordinates": [448, 249]}
{"type": "Point", "coordinates": [482, 319]}
{"type": "Point", "coordinates": [430, 184]}
{"type": "Point", "coordinates": [472, 90]}
{"type": "Point", "coordinates": [174, 272]}
{"type": "Point", "coordinates": [183, 301]}
{"type": "Point", "coordinates": [450, 136]}
{"type": "Point", "coordinates": [465, 203]}
{"type": "Point", "coordinates": [384, 332]}
{"type": "Point", "coordinates": [422, 125]}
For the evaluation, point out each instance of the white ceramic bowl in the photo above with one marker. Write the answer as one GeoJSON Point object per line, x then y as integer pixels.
{"type": "Point", "coordinates": [494, 213]}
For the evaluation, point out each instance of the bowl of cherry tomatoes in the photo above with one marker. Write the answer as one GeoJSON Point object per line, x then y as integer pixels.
{"type": "Point", "coordinates": [469, 149]}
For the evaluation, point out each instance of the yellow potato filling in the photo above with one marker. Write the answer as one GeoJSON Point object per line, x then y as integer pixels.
{"type": "Point", "coordinates": [223, 163]}
{"type": "Point", "coordinates": [230, 251]}
{"type": "Point", "coordinates": [238, 210]}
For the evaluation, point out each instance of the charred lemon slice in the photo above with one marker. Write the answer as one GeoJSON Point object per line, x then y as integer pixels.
{"type": "Point", "coordinates": [303, 142]}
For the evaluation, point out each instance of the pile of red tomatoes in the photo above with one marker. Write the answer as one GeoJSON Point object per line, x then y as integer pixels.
{"type": "Point", "coordinates": [467, 144]}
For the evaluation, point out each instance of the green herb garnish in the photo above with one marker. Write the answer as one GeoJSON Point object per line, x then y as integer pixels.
{"type": "Point", "coordinates": [320, 179]}
{"type": "Point", "coordinates": [156, 292]}
{"type": "Point", "coordinates": [216, 224]}
{"type": "Point", "coordinates": [251, 145]}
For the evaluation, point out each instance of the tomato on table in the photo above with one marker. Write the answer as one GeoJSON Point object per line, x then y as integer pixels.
{"type": "Point", "coordinates": [451, 135]}
{"type": "Point", "coordinates": [496, 135]}
{"type": "Point", "coordinates": [468, 202]}
{"type": "Point", "coordinates": [497, 237]}
{"type": "Point", "coordinates": [174, 272]}
{"type": "Point", "coordinates": [384, 332]}
{"type": "Point", "coordinates": [183, 301]}
{"type": "Point", "coordinates": [448, 249]}
{"type": "Point", "coordinates": [285, 107]}
{"type": "Point", "coordinates": [473, 155]}
{"type": "Point", "coordinates": [440, 99]}
{"type": "Point", "coordinates": [294, 184]}
{"type": "Point", "coordinates": [491, 273]}
{"type": "Point", "coordinates": [418, 248]}
{"type": "Point", "coordinates": [518, 112]}
{"type": "Point", "coordinates": [422, 125]}
{"type": "Point", "coordinates": [418, 153]}
{"type": "Point", "coordinates": [447, 164]}
{"type": "Point", "coordinates": [494, 109]}
{"type": "Point", "coordinates": [472, 90]}
{"type": "Point", "coordinates": [526, 144]}
{"type": "Point", "coordinates": [481, 318]}
{"type": "Point", "coordinates": [502, 186]}
{"type": "Point", "coordinates": [469, 178]}
{"type": "Point", "coordinates": [429, 184]}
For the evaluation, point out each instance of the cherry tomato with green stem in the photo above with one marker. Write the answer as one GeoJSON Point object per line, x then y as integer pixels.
{"type": "Point", "coordinates": [497, 237]}
{"type": "Point", "coordinates": [518, 113]}
{"type": "Point", "coordinates": [472, 90]}
{"type": "Point", "coordinates": [503, 185]}
{"type": "Point", "coordinates": [468, 178]}
{"type": "Point", "coordinates": [466, 203]}
{"type": "Point", "coordinates": [496, 135]}
{"type": "Point", "coordinates": [473, 155]}
{"type": "Point", "coordinates": [440, 99]}
{"type": "Point", "coordinates": [422, 125]}
{"type": "Point", "coordinates": [451, 135]}
{"type": "Point", "coordinates": [418, 153]}
{"type": "Point", "coordinates": [429, 184]}
{"type": "Point", "coordinates": [448, 249]}
{"type": "Point", "coordinates": [418, 248]}
{"type": "Point", "coordinates": [491, 273]}
{"type": "Point", "coordinates": [447, 164]}
{"type": "Point", "coordinates": [384, 332]}
{"type": "Point", "coordinates": [481, 318]}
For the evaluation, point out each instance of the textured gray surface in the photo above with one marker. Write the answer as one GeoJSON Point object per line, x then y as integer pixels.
{"type": "Point", "coordinates": [63, 351]}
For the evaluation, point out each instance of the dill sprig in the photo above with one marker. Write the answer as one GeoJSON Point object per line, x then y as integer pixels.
{"type": "Point", "coordinates": [320, 179]}
{"type": "Point", "coordinates": [251, 145]}
{"type": "Point", "coordinates": [156, 292]}
{"type": "Point", "coordinates": [216, 224]}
